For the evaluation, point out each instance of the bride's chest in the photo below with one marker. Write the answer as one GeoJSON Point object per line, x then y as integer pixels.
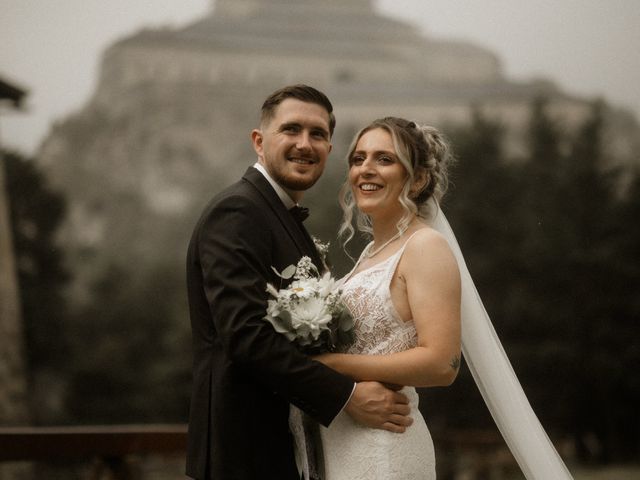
{"type": "Point", "coordinates": [377, 324]}
{"type": "Point", "coordinates": [376, 294]}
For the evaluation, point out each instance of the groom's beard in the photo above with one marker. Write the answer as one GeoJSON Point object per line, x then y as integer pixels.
{"type": "Point", "coordinates": [289, 182]}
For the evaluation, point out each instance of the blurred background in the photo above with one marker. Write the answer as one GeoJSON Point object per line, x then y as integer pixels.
{"type": "Point", "coordinates": [119, 120]}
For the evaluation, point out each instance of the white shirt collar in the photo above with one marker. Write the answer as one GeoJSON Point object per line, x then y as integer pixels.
{"type": "Point", "coordinates": [284, 196]}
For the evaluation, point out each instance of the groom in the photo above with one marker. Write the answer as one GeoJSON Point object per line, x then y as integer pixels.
{"type": "Point", "coordinates": [245, 374]}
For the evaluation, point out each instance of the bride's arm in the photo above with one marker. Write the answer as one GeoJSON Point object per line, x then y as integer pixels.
{"type": "Point", "coordinates": [432, 280]}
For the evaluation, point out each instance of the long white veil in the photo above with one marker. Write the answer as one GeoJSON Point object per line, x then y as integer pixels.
{"type": "Point", "coordinates": [495, 377]}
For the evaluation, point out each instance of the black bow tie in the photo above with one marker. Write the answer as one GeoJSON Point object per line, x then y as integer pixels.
{"type": "Point", "coordinates": [299, 213]}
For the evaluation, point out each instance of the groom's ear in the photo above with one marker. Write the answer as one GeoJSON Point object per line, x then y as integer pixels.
{"type": "Point", "coordinates": [257, 141]}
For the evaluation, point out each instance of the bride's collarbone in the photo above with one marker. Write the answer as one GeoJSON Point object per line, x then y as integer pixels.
{"type": "Point", "coordinates": [375, 255]}
{"type": "Point", "coordinates": [371, 262]}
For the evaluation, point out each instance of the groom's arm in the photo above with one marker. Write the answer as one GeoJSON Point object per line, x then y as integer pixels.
{"type": "Point", "coordinates": [235, 244]}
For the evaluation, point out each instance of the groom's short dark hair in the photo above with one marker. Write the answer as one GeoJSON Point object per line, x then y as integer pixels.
{"type": "Point", "coordinates": [301, 92]}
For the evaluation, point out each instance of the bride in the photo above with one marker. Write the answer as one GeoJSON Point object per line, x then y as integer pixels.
{"type": "Point", "coordinates": [413, 304]}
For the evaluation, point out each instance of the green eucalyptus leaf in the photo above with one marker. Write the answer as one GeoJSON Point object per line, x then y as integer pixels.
{"type": "Point", "coordinates": [288, 272]}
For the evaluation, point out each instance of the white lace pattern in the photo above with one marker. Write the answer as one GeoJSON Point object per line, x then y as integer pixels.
{"type": "Point", "coordinates": [379, 329]}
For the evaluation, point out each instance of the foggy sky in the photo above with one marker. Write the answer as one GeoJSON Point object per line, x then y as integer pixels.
{"type": "Point", "coordinates": [52, 48]}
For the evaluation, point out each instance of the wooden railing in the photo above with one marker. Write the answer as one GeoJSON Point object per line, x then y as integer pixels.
{"type": "Point", "coordinates": [114, 450]}
{"type": "Point", "coordinates": [108, 448]}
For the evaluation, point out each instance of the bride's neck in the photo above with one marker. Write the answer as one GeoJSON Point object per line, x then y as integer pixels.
{"type": "Point", "coordinates": [386, 228]}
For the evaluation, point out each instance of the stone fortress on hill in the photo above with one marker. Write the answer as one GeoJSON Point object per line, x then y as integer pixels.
{"type": "Point", "coordinates": [169, 122]}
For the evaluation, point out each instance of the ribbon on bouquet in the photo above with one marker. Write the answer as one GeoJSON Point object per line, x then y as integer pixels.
{"type": "Point", "coordinates": [308, 446]}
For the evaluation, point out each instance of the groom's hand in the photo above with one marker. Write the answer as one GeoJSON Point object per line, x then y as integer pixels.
{"type": "Point", "coordinates": [375, 406]}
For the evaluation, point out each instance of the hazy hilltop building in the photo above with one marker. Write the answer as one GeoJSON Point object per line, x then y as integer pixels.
{"type": "Point", "coordinates": [170, 119]}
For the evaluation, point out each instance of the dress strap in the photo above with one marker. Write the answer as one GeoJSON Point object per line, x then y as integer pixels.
{"type": "Point", "coordinates": [391, 269]}
{"type": "Point", "coordinates": [353, 269]}
{"type": "Point", "coordinates": [392, 261]}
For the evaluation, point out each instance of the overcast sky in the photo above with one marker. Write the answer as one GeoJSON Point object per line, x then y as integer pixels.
{"type": "Point", "coordinates": [52, 48]}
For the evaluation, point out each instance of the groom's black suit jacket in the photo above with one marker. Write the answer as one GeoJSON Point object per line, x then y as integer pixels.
{"type": "Point", "coordinates": [244, 373]}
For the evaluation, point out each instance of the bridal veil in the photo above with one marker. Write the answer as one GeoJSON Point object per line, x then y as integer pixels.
{"type": "Point", "coordinates": [495, 378]}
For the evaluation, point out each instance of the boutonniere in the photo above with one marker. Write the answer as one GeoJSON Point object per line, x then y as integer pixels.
{"type": "Point", "coordinates": [322, 248]}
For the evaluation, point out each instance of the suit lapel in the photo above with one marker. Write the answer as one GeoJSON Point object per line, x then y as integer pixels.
{"type": "Point", "coordinates": [296, 230]}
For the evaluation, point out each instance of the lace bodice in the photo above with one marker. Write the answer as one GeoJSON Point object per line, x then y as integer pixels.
{"type": "Point", "coordinates": [378, 327]}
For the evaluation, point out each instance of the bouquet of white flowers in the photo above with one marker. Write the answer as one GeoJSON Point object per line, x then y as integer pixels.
{"type": "Point", "coordinates": [310, 311]}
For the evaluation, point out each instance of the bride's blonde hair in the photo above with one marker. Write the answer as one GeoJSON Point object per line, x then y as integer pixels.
{"type": "Point", "coordinates": [424, 153]}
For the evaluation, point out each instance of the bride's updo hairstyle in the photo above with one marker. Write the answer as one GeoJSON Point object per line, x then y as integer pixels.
{"type": "Point", "coordinates": [423, 152]}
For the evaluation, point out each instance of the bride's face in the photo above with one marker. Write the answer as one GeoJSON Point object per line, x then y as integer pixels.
{"type": "Point", "coordinates": [376, 175]}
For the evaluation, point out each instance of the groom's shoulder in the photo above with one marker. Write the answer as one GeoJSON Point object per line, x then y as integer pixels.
{"type": "Point", "coordinates": [245, 187]}
{"type": "Point", "coordinates": [239, 194]}
{"type": "Point", "coordinates": [237, 198]}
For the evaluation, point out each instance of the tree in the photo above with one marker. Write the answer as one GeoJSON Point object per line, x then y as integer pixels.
{"type": "Point", "coordinates": [538, 331]}
{"type": "Point", "coordinates": [130, 350]}
{"type": "Point", "coordinates": [36, 211]}
{"type": "Point", "coordinates": [623, 426]}
{"type": "Point", "coordinates": [573, 317]}
{"type": "Point", "coordinates": [483, 208]}
{"type": "Point", "coordinates": [599, 274]}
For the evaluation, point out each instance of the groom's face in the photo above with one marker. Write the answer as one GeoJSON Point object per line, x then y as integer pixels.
{"type": "Point", "coordinates": [294, 145]}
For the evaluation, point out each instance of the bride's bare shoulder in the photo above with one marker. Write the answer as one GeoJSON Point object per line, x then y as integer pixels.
{"type": "Point", "coordinates": [426, 238]}
{"type": "Point", "coordinates": [429, 249]}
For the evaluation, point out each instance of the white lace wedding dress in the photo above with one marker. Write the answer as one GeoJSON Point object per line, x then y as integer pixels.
{"type": "Point", "coordinates": [354, 452]}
